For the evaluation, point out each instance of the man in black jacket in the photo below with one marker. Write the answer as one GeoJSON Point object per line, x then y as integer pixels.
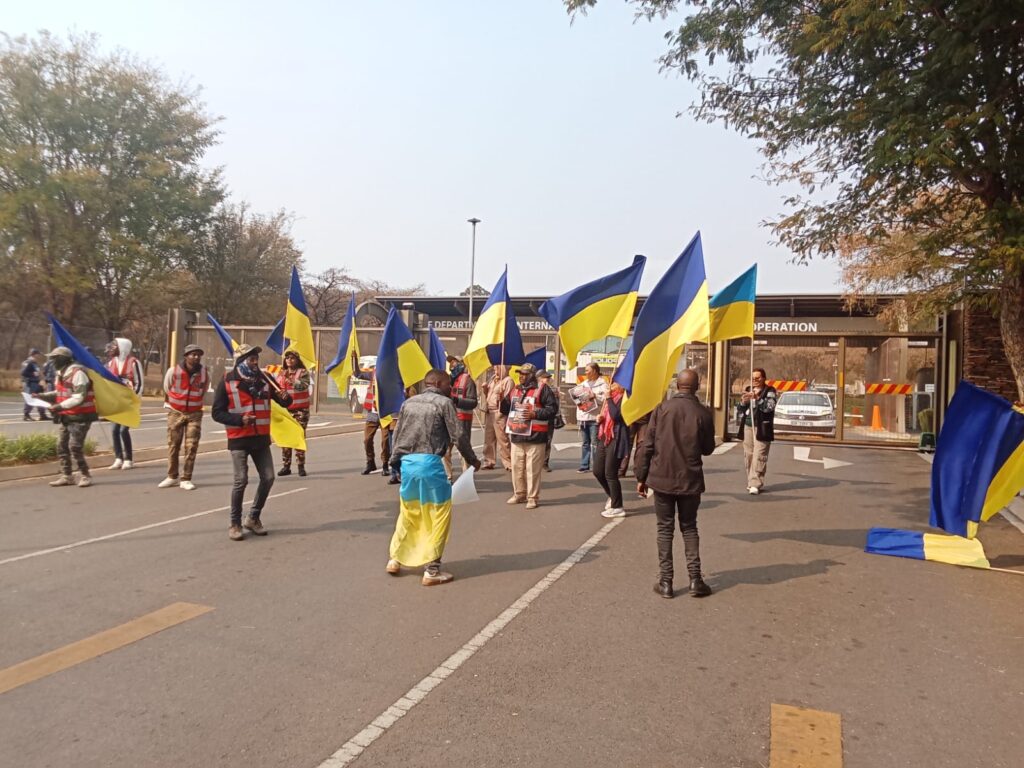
{"type": "Point", "coordinates": [242, 404]}
{"type": "Point", "coordinates": [680, 432]}
{"type": "Point", "coordinates": [530, 407]}
{"type": "Point", "coordinates": [756, 417]}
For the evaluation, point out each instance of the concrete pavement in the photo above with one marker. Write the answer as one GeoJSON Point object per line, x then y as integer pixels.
{"type": "Point", "coordinates": [309, 641]}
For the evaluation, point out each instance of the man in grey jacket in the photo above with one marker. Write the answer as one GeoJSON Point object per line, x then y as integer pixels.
{"type": "Point", "coordinates": [680, 432]}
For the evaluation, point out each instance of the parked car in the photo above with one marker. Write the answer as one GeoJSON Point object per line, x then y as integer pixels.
{"type": "Point", "coordinates": [357, 387]}
{"type": "Point", "coordinates": [806, 413]}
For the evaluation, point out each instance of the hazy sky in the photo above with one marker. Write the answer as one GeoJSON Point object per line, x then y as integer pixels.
{"type": "Point", "coordinates": [383, 126]}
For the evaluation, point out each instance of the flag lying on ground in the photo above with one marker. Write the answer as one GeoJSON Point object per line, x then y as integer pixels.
{"type": "Point", "coordinates": [732, 308]}
{"type": "Point", "coordinates": [496, 339]}
{"type": "Point", "coordinates": [276, 340]}
{"type": "Point", "coordinates": [400, 364]}
{"type": "Point", "coordinates": [978, 469]}
{"type": "Point", "coordinates": [600, 308]}
{"type": "Point", "coordinates": [285, 431]}
{"type": "Point", "coordinates": [340, 368]}
{"type": "Point", "coordinates": [297, 328]}
{"type": "Point", "coordinates": [436, 354]}
{"type": "Point", "coordinates": [676, 312]}
{"type": "Point", "coordinates": [115, 401]}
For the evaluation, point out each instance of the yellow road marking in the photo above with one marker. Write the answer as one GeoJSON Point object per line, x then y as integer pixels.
{"type": "Point", "coordinates": [805, 738]}
{"type": "Point", "coordinates": [103, 642]}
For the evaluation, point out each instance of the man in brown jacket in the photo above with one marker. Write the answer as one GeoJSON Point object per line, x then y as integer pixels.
{"type": "Point", "coordinates": [680, 432]}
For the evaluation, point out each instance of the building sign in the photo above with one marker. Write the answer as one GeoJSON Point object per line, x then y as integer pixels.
{"type": "Point", "coordinates": [764, 326]}
{"type": "Point", "coordinates": [464, 325]}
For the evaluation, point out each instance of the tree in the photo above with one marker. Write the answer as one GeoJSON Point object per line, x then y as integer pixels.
{"type": "Point", "coordinates": [477, 291]}
{"type": "Point", "coordinates": [241, 266]}
{"type": "Point", "coordinates": [890, 116]}
{"type": "Point", "coordinates": [101, 187]}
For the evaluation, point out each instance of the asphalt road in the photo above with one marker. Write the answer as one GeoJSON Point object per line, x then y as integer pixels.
{"type": "Point", "coordinates": [309, 641]}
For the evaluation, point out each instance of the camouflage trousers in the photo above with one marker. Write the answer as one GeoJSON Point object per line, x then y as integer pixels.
{"type": "Point", "coordinates": [187, 427]}
{"type": "Point", "coordinates": [71, 445]}
{"type": "Point", "coordinates": [300, 456]}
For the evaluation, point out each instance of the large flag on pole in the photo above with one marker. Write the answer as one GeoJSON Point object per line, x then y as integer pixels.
{"type": "Point", "coordinates": [496, 339]}
{"type": "Point", "coordinates": [276, 340]}
{"type": "Point", "coordinates": [297, 328]}
{"type": "Point", "coordinates": [284, 429]}
{"type": "Point", "coordinates": [600, 308]}
{"type": "Point", "coordinates": [115, 401]}
{"type": "Point", "coordinates": [400, 364]}
{"type": "Point", "coordinates": [732, 308]}
{"type": "Point", "coordinates": [676, 312]}
{"type": "Point", "coordinates": [340, 368]}
{"type": "Point", "coordinates": [436, 354]}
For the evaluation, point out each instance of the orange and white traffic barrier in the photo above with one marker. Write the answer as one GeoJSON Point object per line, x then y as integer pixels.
{"type": "Point", "coordinates": [784, 385]}
{"type": "Point", "coordinates": [887, 389]}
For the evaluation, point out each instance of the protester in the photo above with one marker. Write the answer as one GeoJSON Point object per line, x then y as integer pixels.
{"type": "Point", "coordinates": [126, 367]}
{"type": "Point", "coordinates": [74, 410]}
{"type": "Point", "coordinates": [756, 416]}
{"type": "Point", "coordinates": [427, 426]}
{"type": "Point", "coordinates": [487, 420]}
{"type": "Point", "coordinates": [49, 375]}
{"type": "Point", "coordinates": [497, 390]}
{"type": "Point", "coordinates": [544, 379]}
{"type": "Point", "coordinates": [529, 409]}
{"type": "Point", "coordinates": [464, 397]}
{"type": "Point", "coordinates": [679, 433]}
{"type": "Point", "coordinates": [185, 385]}
{"type": "Point", "coordinates": [611, 445]}
{"type": "Point", "coordinates": [32, 382]}
{"type": "Point", "coordinates": [293, 378]}
{"type": "Point", "coordinates": [588, 409]}
{"type": "Point", "coordinates": [371, 424]}
{"type": "Point", "coordinates": [242, 404]}
{"type": "Point", "coordinates": [636, 439]}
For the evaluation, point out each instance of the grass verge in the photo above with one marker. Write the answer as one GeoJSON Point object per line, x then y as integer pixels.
{"type": "Point", "coordinates": [31, 449]}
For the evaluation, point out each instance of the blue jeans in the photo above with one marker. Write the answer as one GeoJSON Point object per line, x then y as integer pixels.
{"type": "Point", "coordinates": [588, 433]}
{"type": "Point", "coordinates": [122, 442]}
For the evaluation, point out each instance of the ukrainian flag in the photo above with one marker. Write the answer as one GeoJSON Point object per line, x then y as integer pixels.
{"type": "Point", "coordinates": [115, 401]}
{"type": "Point", "coordinates": [340, 368]}
{"type": "Point", "coordinates": [496, 339]}
{"type": "Point", "coordinates": [603, 307]}
{"type": "Point", "coordinates": [676, 312]}
{"type": "Point", "coordinates": [979, 460]}
{"type": "Point", "coordinates": [276, 340]}
{"type": "Point", "coordinates": [297, 328]}
{"type": "Point", "coordinates": [916, 545]}
{"type": "Point", "coordinates": [436, 354]}
{"type": "Point", "coordinates": [732, 308]}
{"type": "Point", "coordinates": [400, 364]}
{"type": "Point", "coordinates": [284, 429]}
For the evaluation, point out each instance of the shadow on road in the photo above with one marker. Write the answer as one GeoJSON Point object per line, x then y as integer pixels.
{"type": "Point", "coordinates": [487, 565]}
{"type": "Point", "coordinates": [770, 574]}
{"type": "Point", "coordinates": [853, 538]}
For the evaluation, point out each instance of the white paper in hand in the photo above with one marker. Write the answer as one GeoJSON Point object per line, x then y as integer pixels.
{"type": "Point", "coordinates": [464, 489]}
{"type": "Point", "coordinates": [35, 402]}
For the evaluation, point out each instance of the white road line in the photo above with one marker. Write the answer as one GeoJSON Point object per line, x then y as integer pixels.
{"type": "Point", "coordinates": [355, 746]}
{"type": "Point", "coordinates": [132, 530]}
{"type": "Point", "coordinates": [723, 448]}
{"type": "Point", "coordinates": [929, 457]}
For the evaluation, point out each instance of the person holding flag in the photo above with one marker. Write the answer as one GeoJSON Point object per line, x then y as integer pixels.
{"type": "Point", "coordinates": [74, 410]}
{"type": "Point", "coordinates": [371, 423]}
{"type": "Point", "coordinates": [123, 364]}
{"type": "Point", "coordinates": [242, 404]}
{"type": "Point", "coordinates": [465, 398]}
{"type": "Point", "coordinates": [293, 378]}
{"type": "Point", "coordinates": [185, 386]}
{"type": "Point", "coordinates": [529, 409]}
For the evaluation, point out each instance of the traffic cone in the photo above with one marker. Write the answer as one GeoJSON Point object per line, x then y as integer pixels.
{"type": "Point", "coordinates": [876, 418]}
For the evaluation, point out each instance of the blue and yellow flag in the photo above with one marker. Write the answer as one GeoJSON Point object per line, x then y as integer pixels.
{"type": "Point", "coordinates": [939, 548]}
{"type": "Point", "coordinates": [115, 401]}
{"type": "Point", "coordinates": [496, 339]}
{"type": "Point", "coordinates": [285, 431]}
{"type": "Point", "coordinates": [436, 353]}
{"type": "Point", "coordinates": [297, 328]}
{"type": "Point", "coordinates": [732, 308]}
{"type": "Point", "coordinates": [400, 364]}
{"type": "Point", "coordinates": [340, 368]}
{"type": "Point", "coordinates": [979, 460]}
{"type": "Point", "coordinates": [276, 340]}
{"type": "Point", "coordinates": [676, 312]}
{"type": "Point", "coordinates": [600, 308]}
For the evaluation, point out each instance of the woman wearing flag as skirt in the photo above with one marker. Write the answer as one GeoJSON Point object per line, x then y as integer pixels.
{"type": "Point", "coordinates": [293, 379]}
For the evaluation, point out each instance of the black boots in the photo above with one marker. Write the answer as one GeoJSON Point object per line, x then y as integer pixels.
{"type": "Point", "coordinates": [284, 471]}
{"type": "Point", "coordinates": [371, 466]}
{"type": "Point", "coordinates": [664, 588]}
{"type": "Point", "coordinates": [698, 588]}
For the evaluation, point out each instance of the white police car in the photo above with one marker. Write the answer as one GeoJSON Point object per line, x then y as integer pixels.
{"type": "Point", "coordinates": [805, 413]}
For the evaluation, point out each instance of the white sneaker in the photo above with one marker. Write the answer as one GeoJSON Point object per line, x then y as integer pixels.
{"type": "Point", "coordinates": [187, 485]}
{"type": "Point", "coordinates": [608, 504]}
{"type": "Point", "coordinates": [116, 465]}
{"type": "Point", "coordinates": [753, 491]}
{"type": "Point", "coordinates": [60, 481]}
{"type": "Point", "coordinates": [168, 482]}
{"type": "Point", "coordinates": [127, 464]}
{"type": "Point", "coordinates": [85, 481]}
{"type": "Point", "coordinates": [614, 512]}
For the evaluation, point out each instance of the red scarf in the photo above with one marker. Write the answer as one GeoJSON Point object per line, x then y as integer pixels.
{"type": "Point", "coordinates": [605, 422]}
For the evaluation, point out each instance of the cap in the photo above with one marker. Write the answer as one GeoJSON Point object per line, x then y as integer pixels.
{"type": "Point", "coordinates": [456, 358]}
{"type": "Point", "coordinates": [60, 352]}
{"type": "Point", "coordinates": [543, 374]}
{"type": "Point", "coordinates": [34, 351]}
{"type": "Point", "coordinates": [528, 368]}
{"type": "Point", "coordinates": [190, 348]}
{"type": "Point", "coordinates": [244, 350]}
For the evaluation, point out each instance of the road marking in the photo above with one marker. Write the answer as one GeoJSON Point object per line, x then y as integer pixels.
{"type": "Point", "coordinates": [929, 457]}
{"type": "Point", "coordinates": [355, 746]}
{"type": "Point", "coordinates": [803, 453]}
{"type": "Point", "coordinates": [99, 644]}
{"type": "Point", "coordinates": [564, 446]}
{"type": "Point", "coordinates": [723, 448]}
{"type": "Point", "coordinates": [805, 738]}
{"type": "Point", "coordinates": [66, 547]}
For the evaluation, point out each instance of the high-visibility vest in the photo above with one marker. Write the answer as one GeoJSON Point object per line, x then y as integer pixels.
{"type": "Point", "coordinates": [126, 371]}
{"type": "Point", "coordinates": [370, 401]}
{"type": "Point", "coordinates": [186, 392]}
{"type": "Point", "coordinates": [516, 396]}
{"type": "Point", "coordinates": [300, 398]}
{"type": "Point", "coordinates": [65, 390]}
{"type": "Point", "coordinates": [240, 403]}
{"type": "Point", "coordinates": [459, 390]}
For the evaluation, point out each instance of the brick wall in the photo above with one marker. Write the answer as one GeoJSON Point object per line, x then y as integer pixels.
{"type": "Point", "coordinates": [985, 362]}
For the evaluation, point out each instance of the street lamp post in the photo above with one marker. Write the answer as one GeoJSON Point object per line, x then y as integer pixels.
{"type": "Point", "coordinates": [472, 268]}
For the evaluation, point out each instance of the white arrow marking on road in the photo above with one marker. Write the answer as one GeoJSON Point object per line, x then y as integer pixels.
{"type": "Point", "coordinates": [723, 448]}
{"type": "Point", "coordinates": [563, 446]}
{"type": "Point", "coordinates": [803, 453]}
